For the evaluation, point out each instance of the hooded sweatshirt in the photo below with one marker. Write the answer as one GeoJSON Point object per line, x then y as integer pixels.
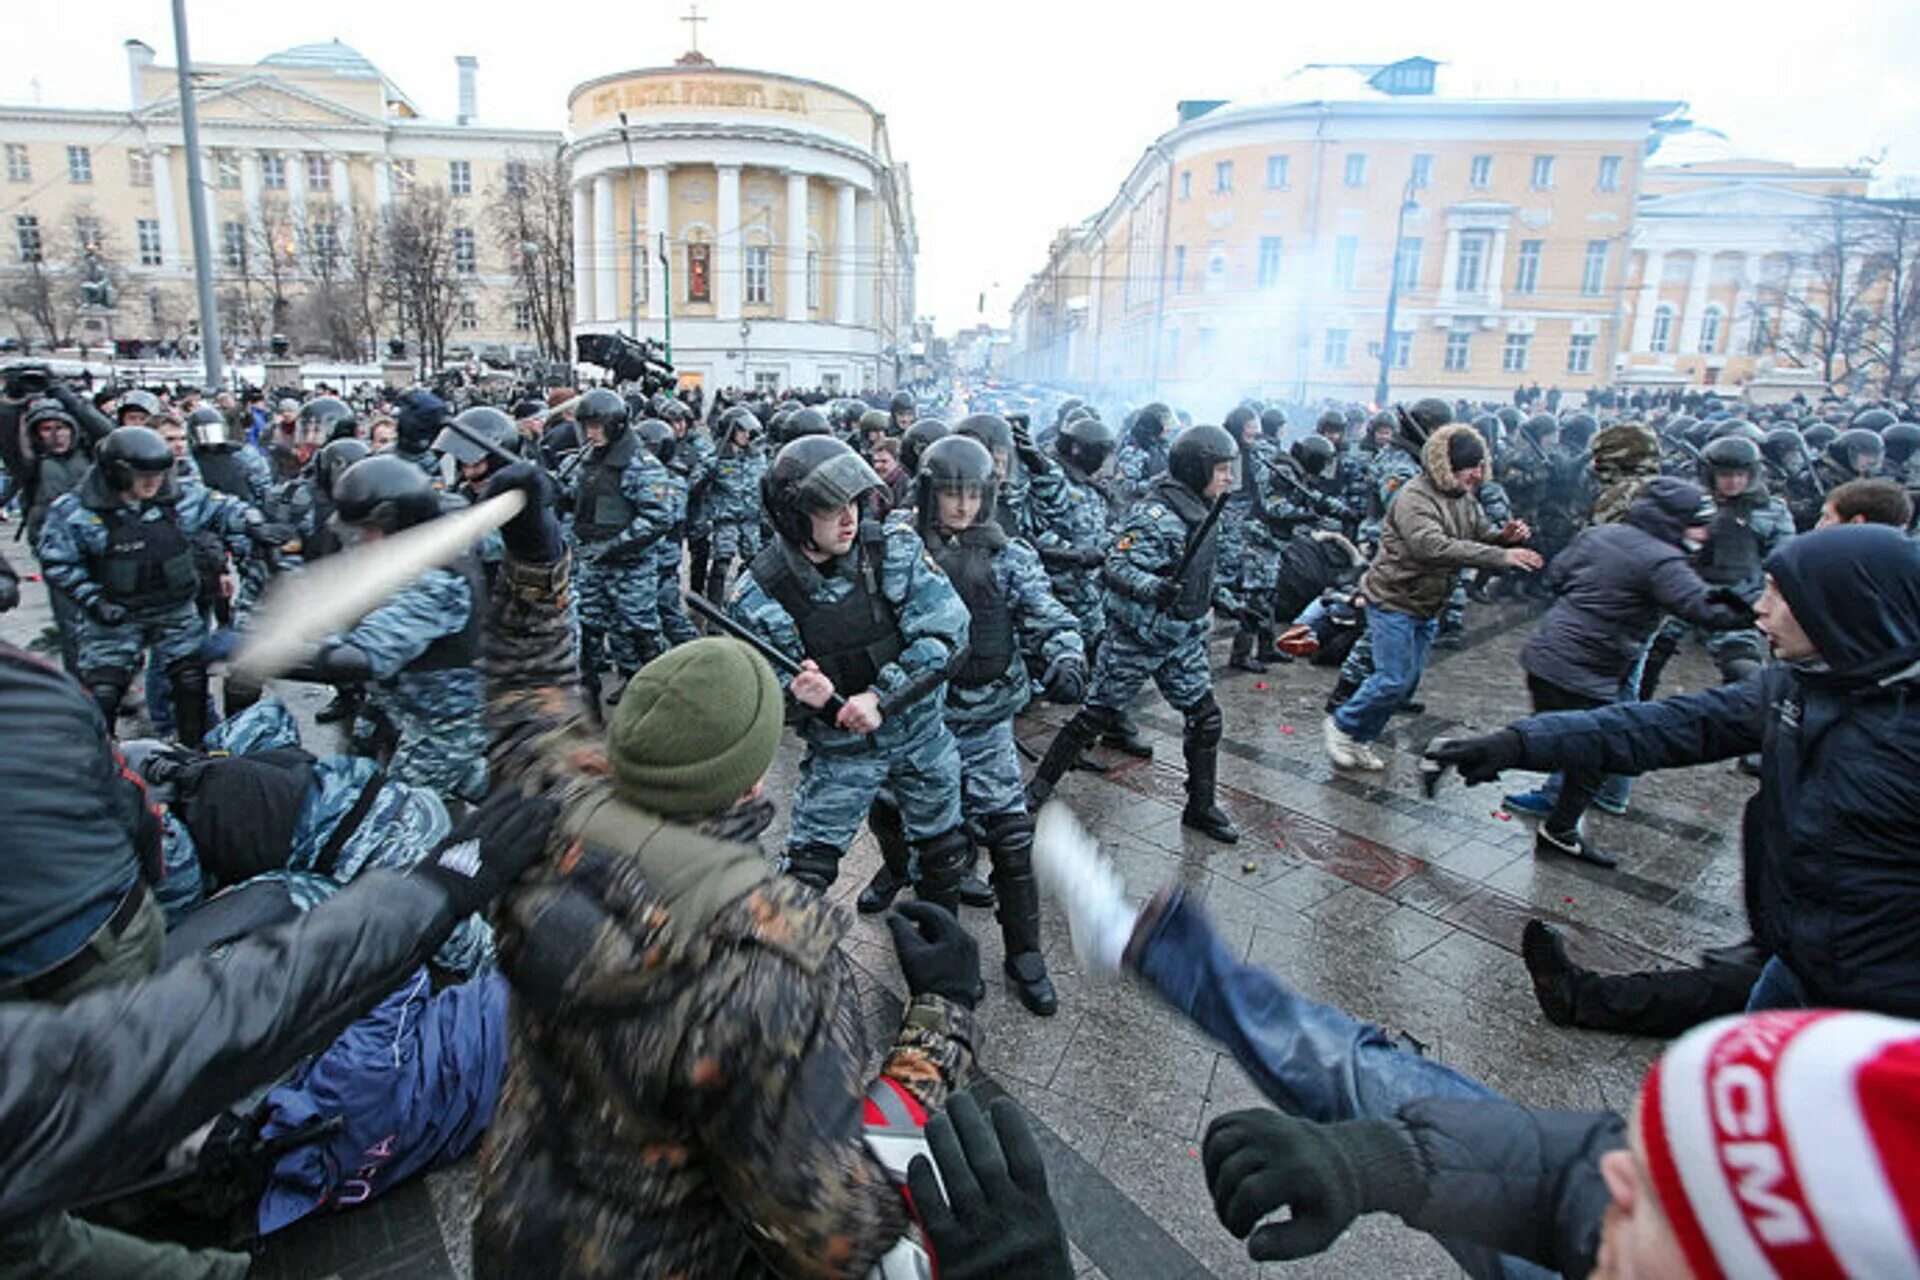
{"type": "Point", "coordinates": [1434, 527]}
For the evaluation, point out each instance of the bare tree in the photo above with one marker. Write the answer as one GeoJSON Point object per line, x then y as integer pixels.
{"type": "Point", "coordinates": [1822, 318]}
{"type": "Point", "coordinates": [424, 276]}
{"type": "Point", "coordinates": [273, 259]}
{"type": "Point", "coordinates": [531, 218]}
{"type": "Point", "coordinates": [324, 313]}
{"type": "Point", "coordinates": [364, 283]}
{"type": "Point", "coordinates": [71, 263]}
{"type": "Point", "coordinates": [1890, 346]}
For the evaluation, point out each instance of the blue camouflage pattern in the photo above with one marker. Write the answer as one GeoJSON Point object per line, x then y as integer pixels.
{"type": "Point", "coordinates": [1068, 511]}
{"type": "Point", "coordinates": [618, 603]}
{"type": "Point", "coordinates": [1142, 641]}
{"type": "Point", "coordinates": [1043, 629]}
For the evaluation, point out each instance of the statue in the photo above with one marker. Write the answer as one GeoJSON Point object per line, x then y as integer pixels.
{"type": "Point", "coordinates": [97, 289]}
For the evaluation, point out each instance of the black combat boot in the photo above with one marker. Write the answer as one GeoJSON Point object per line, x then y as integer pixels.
{"type": "Point", "coordinates": [974, 890]}
{"type": "Point", "coordinates": [716, 582]}
{"type": "Point", "coordinates": [883, 819]}
{"type": "Point", "coordinates": [814, 865]}
{"type": "Point", "coordinates": [1075, 736]}
{"type": "Point", "coordinates": [1202, 748]}
{"type": "Point", "coordinates": [189, 680]}
{"type": "Point", "coordinates": [1243, 657]}
{"type": "Point", "coordinates": [943, 861]}
{"type": "Point", "coordinates": [1010, 843]}
{"type": "Point", "coordinates": [699, 564]}
{"type": "Point", "coordinates": [1124, 736]}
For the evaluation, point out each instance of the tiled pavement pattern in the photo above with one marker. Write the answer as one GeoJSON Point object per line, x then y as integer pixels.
{"type": "Point", "coordinates": [1403, 910]}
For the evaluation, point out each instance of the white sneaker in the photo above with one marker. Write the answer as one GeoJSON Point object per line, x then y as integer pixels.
{"type": "Point", "coordinates": [1067, 861]}
{"type": "Point", "coordinates": [1367, 757]}
{"type": "Point", "coordinates": [1342, 750]}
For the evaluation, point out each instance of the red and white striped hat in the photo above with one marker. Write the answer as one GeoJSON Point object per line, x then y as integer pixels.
{"type": "Point", "coordinates": [1788, 1144]}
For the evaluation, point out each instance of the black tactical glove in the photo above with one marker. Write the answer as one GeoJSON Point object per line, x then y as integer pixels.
{"type": "Point", "coordinates": [271, 533]}
{"type": "Point", "coordinates": [1731, 600]}
{"type": "Point", "coordinates": [995, 1220]}
{"type": "Point", "coordinates": [489, 850]}
{"type": "Point", "coordinates": [534, 534]}
{"type": "Point", "coordinates": [1165, 592]}
{"type": "Point", "coordinates": [937, 954]}
{"type": "Point", "coordinates": [1479, 759]}
{"type": "Point", "coordinates": [622, 552]}
{"type": "Point", "coordinates": [106, 612]}
{"type": "Point", "coordinates": [1260, 1161]}
{"type": "Point", "coordinates": [1029, 454]}
{"type": "Point", "coordinates": [1065, 680]}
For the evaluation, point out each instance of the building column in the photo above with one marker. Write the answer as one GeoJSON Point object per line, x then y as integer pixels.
{"type": "Point", "coordinates": [382, 182]}
{"type": "Point", "coordinates": [1649, 300]}
{"type": "Point", "coordinates": [659, 233]}
{"type": "Point", "coordinates": [1696, 305]}
{"type": "Point", "coordinates": [845, 270]}
{"type": "Point", "coordinates": [582, 251]}
{"type": "Point", "coordinates": [727, 277]}
{"type": "Point", "coordinates": [164, 210]}
{"type": "Point", "coordinates": [343, 202]}
{"type": "Point", "coordinates": [296, 169]}
{"type": "Point", "coordinates": [250, 185]}
{"type": "Point", "coordinates": [1450, 268]}
{"type": "Point", "coordinates": [796, 245]}
{"type": "Point", "coordinates": [1740, 323]}
{"type": "Point", "coordinates": [1496, 261]}
{"type": "Point", "coordinates": [606, 262]}
{"type": "Point", "coordinates": [864, 251]}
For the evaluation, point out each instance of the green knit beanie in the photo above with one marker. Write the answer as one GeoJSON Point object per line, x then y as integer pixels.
{"type": "Point", "coordinates": [696, 728]}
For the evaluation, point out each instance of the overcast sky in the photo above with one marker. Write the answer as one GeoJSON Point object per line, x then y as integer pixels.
{"type": "Point", "coordinates": [1019, 118]}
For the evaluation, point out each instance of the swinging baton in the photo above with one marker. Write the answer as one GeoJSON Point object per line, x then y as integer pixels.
{"type": "Point", "coordinates": [781, 662]}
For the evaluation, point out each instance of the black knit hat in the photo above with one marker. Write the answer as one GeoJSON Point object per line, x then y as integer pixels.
{"type": "Point", "coordinates": [1464, 450]}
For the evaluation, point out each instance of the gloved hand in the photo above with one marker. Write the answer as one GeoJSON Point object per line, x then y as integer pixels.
{"type": "Point", "coordinates": [621, 552]}
{"type": "Point", "coordinates": [1165, 592]}
{"type": "Point", "coordinates": [1029, 453]}
{"type": "Point", "coordinates": [1260, 1161]}
{"type": "Point", "coordinates": [272, 533]}
{"type": "Point", "coordinates": [534, 534]}
{"type": "Point", "coordinates": [995, 1220]}
{"type": "Point", "coordinates": [490, 849]}
{"type": "Point", "coordinates": [1226, 602]}
{"type": "Point", "coordinates": [1065, 680]}
{"type": "Point", "coordinates": [1479, 759]}
{"type": "Point", "coordinates": [1092, 557]}
{"type": "Point", "coordinates": [937, 954]}
{"type": "Point", "coordinates": [106, 612]}
{"type": "Point", "coordinates": [1728, 598]}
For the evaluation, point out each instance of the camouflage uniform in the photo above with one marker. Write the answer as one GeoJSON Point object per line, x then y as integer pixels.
{"type": "Point", "coordinates": [421, 645]}
{"type": "Point", "coordinates": [733, 503]}
{"type": "Point", "coordinates": [1391, 468]}
{"type": "Point", "coordinates": [1135, 467]}
{"type": "Point", "coordinates": [1068, 515]}
{"type": "Point", "coordinates": [1745, 531]}
{"type": "Point", "coordinates": [686, 1053]}
{"type": "Point", "coordinates": [912, 752]}
{"type": "Point", "coordinates": [674, 626]}
{"type": "Point", "coordinates": [614, 534]}
{"type": "Point", "coordinates": [1625, 457]}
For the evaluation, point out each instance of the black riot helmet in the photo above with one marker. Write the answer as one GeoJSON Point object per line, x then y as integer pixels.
{"type": "Point", "coordinates": [1196, 451]}
{"type": "Point", "coordinates": [1332, 424]}
{"type": "Point", "coordinates": [811, 475]}
{"type": "Point", "coordinates": [132, 451]}
{"type": "Point", "coordinates": [1085, 443]}
{"type": "Point", "coordinates": [1901, 441]}
{"type": "Point", "coordinates": [658, 438]}
{"type": "Point", "coordinates": [490, 424]}
{"type": "Point", "coordinates": [957, 464]}
{"type": "Point", "coordinates": [334, 458]}
{"type": "Point", "coordinates": [1238, 419]}
{"type": "Point", "coordinates": [421, 416]}
{"type": "Point", "coordinates": [1818, 436]}
{"type": "Point", "coordinates": [1273, 423]}
{"type": "Point", "coordinates": [384, 492]}
{"type": "Point", "coordinates": [1540, 427]}
{"type": "Point", "coordinates": [994, 433]}
{"type": "Point", "coordinates": [604, 407]}
{"type": "Point", "coordinates": [1784, 448]}
{"type": "Point", "coordinates": [1430, 413]}
{"type": "Point", "coordinates": [1739, 427]}
{"type": "Point", "coordinates": [804, 422]}
{"type": "Point", "coordinates": [332, 417]}
{"type": "Point", "coordinates": [207, 428]}
{"type": "Point", "coordinates": [1314, 453]}
{"type": "Point", "coordinates": [145, 401]}
{"type": "Point", "coordinates": [1066, 409]}
{"type": "Point", "coordinates": [1510, 417]}
{"type": "Point", "coordinates": [735, 420]}
{"type": "Point", "coordinates": [1489, 428]}
{"type": "Point", "coordinates": [1577, 431]}
{"type": "Point", "coordinates": [901, 405]}
{"type": "Point", "coordinates": [1874, 420]}
{"type": "Point", "coordinates": [1149, 426]}
{"type": "Point", "coordinates": [916, 441]}
{"type": "Point", "coordinates": [1729, 455]}
{"type": "Point", "coordinates": [1858, 450]}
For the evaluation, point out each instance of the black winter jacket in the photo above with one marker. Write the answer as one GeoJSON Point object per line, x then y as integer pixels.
{"type": "Point", "coordinates": [1612, 585]}
{"type": "Point", "coordinates": [94, 1091]}
{"type": "Point", "coordinates": [1832, 839]}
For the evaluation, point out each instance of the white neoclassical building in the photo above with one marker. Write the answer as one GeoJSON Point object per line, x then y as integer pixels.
{"type": "Point", "coordinates": [756, 222]}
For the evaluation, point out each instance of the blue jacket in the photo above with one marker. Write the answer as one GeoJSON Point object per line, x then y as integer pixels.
{"type": "Point", "coordinates": [1832, 839]}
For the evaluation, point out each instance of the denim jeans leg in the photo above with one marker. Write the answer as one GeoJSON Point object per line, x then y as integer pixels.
{"type": "Point", "coordinates": [1778, 987]}
{"type": "Point", "coordinates": [1398, 650]}
{"type": "Point", "coordinates": [1311, 1059]}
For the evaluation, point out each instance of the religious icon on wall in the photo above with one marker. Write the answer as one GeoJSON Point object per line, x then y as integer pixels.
{"type": "Point", "coordinates": [699, 283]}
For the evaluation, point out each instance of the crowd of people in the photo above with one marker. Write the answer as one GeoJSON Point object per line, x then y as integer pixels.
{"type": "Point", "coordinates": [522, 908]}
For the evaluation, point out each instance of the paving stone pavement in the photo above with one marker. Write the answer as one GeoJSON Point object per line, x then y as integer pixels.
{"type": "Point", "coordinates": [1357, 890]}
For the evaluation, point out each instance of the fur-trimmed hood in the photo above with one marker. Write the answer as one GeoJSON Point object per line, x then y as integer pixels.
{"type": "Point", "coordinates": [1433, 456]}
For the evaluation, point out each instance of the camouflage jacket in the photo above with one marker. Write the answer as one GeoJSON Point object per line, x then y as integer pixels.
{"type": "Point", "coordinates": [1134, 469]}
{"type": "Point", "coordinates": [75, 533]}
{"type": "Point", "coordinates": [734, 494]}
{"type": "Point", "coordinates": [1067, 516]}
{"type": "Point", "coordinates": [1042, 628]}
{"type": "Point", "coordinates": [686, 1073]}
{"type": "Point", "coordinates": [1152, 541]}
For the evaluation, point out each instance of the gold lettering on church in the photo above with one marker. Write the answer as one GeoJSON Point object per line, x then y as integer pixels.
{"type": "Point", "coordinates": [644, 94]}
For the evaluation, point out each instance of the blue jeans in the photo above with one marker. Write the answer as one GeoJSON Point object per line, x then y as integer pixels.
{"type": "Point", "coordinates": [1312, 1060]}
{"type": "Point", "coordinates": [1777, 987]}
{"type": "Point", "coordinates": [1400, 645]}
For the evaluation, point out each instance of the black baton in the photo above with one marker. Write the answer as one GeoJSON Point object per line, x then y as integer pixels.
{"type": "Point", "coordinates": [781, 662]}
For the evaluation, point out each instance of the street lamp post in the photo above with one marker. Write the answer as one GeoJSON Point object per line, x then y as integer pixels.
{"type": "Point", "coordinates": [210, 354]}
{"type": "Point", "coordinates": [1407, 204]}
{"type": "Point", "coordinates": [746, 334]}
{"type": "Point", "coordinates": [633, 237]}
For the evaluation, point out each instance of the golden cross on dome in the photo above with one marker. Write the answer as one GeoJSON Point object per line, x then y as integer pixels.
{"type": "Point", "coordinates": [693, 21]}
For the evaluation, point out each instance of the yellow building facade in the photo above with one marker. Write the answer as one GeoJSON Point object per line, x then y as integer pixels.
{"type": "Point", "coordinates": [304, 149]}
{"type": "Point", "coordinates": [1253, 248]}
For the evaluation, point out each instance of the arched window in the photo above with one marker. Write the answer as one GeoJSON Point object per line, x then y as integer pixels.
{"type": "Point", "coordinates": [1662, 328]}
{"type": "Point", "coordinates": [1710, 321]}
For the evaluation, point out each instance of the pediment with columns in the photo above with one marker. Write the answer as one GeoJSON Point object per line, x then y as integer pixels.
{"type": "Point", "coordinates": [1757, 201]}
{"type": "Point", "coordinates": [266, 102]}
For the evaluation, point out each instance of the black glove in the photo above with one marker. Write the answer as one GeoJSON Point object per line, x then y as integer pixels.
{"type": "Point", "coordinates": [106, 612]}
{"type": "Point", "coordinates": [1479, 759]}
{"type": "Point", "coordinates": [621, 552]}
{"type": "Point", "coordinates": [1729, 599]}
{"type": "Point", "coordinates": [1092, 557]}
{"type": "Point", "coordinates": [1165, 592]}
{"type": "Point", "coordinates": [1065, 680]}
{"type": "Point", "coordinates": [937, 954]}
{"type": "Point", "coordinates": [534, 534]}
{"type": "Point", "coordinates": [1260, 1161]}
{"type": "Point", "coordinates": [271, 533]}
{"type": "Point", "coordinates": [489, 850]}
{"type": "Point", "coordinates": [995, 1220]}
{"type": "Point", "coordinates": [1029, 454]}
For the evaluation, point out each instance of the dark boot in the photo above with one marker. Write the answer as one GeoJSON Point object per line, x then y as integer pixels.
{"type": "Point", "coordinates": [1243, 658]}
{"type": "Point", "coordinates": [189, 681]}
{"type": "Point", "coordinates": [700, 564]}
{"type": "Point", "coordinates": [1574, 844]}
{"type": "Point", "coordinates": [1123, 735]}
{"type": "Point", "coordinates": [1075, 736]}
{"type": "Point", "coordinates": [1202, 747]}
{"type": "Point", "coordinates": [1010, 842]}
{"type": "Point", "coordinates": [815, 865]}
{"type": "Point", "coordinates": [716, 582]}
{"type": "Point", "coordinates": [1270, 653]}
{"type": "Point", "coordinates": [1552, 971]}
{"type": "Point", "coordinates": [883, 819]}
{"type": "Point", "coordinates": [590, 693]}
{"type": "Point", "coordinates": [974, 890]}
{"type": "Point", "coordinates": [943, 862]}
